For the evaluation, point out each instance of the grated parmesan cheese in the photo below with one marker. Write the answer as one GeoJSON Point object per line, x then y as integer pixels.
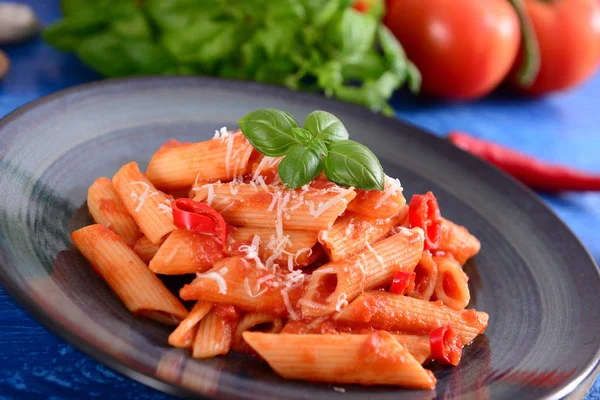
{"type": "Point", "coordinates": [228, 155]}
{"type": "Point", "coordinates": [144, 196]}
{"type": "Point", "coordinates": [339, 389]}
{"type": "Point", "coordinates": [221, 133]}
{"type": "Point", "coordinates": [288, 305]}
{"type": "Point", "coordinates": [341, 303]}
{"type": "Point", "coordinates": [210, 197]}
{"type": "Point", "coordinates": [252, 251]}
{"type": "Point", "coordinates": [322, 207]}
{"type": "Point", "coordinates": [258, 293]}
{"type": "Point", "coordinates": [217, 278]}
{"type": "Point", "coordinates": [392, 187]}
{"type": "Point", "coordinates": [377, 256]}
{"type": "Point", "coordinates": [165, 208]}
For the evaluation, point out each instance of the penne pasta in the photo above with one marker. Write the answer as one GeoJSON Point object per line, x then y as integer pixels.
{"type": "Point", "coordinates": [351, 231]}
{"type": "Point", "coordinates": [336, 283]}
{"type": "Point", "coordinates": [150, 208]}
{"type": "Point", "coordinates": [417, 345]}
{"type": "Point", "coordinates": [310, 209]}
{"type": "Point", "coordinates": [107, 209]}
{"type": "Point", "coordinates": [374, 359]}
{"type": "Point", "coordinates": [215, 332]}
{"type": "Point", "coordinates": [239, 282]}
{"type": "Point", "coordinates": [221, 158]}
{"type": "Point", "coordinates": [145, 249]}
{"type": "Point", "coordinates": [297, 249]}
{"type": "Point", "coordinates": [379, 204]}
{"type": "Point", "coordinates": [129, 278]}
{"type": "Point", "coordinates": [458, 241]}
{"type": "Point", "coordinates": [185, 333]}
{"type": "Point", "coordinates": [392, 312]}
{"type": "Point", "coordinates": [254, 322]}
{"type": "Point", "coordinates": [266, 168]}
{"type": "Point", "coordinates": [186, 252]}
{"type": "Point", "coordinates": [451, 286]}
{"type": "Point", "coordinates": [426, 274]}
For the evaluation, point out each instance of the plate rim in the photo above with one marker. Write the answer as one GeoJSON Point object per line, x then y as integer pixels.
{"type": "Point", "coordinates": [55, 327]}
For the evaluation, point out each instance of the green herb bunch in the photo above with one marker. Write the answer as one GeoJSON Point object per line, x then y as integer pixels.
{"type": "Point", "coordinates": [317, 45]}
{"type": "Point", "coordinates": [322, 145]}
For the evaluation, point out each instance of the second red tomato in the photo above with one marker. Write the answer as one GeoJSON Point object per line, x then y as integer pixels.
{"type": "Point", "coordinates": [463, 48]}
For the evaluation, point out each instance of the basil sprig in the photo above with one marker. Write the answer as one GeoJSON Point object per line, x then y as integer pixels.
{"type": "Point", "coordinates": [321, 145]}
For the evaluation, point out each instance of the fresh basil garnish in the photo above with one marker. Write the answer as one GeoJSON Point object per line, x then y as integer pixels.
{"type": "Point", "coordinates": [270, 131]}
{"type": "Point", "coordinates": [321, 145]}
{"type": "Point", "coordinates": [299, 167]}
{"type": "Point", "coordinates": [350, 163]}
{"type": "Point", "coordinates": [325, 126]}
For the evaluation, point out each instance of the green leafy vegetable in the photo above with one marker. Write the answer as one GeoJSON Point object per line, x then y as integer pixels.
{"type": "Point", "coordinates": [270, 131]}
{"type": "Point", "coordinates": [322, 144]}
{"type": "Point", "coordinates": [350, 163]}
{"type": "Point", "coordinates": [315, 45]}
{"type": "Point", "coordinates": [325, 126]}
{"type": "Point", "coordinates": [300, 166]}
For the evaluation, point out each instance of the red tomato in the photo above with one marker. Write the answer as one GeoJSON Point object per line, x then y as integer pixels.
{"type": "Point", "coordinates": [568, 33]}
{"type": "Point", "coordinates": [463, 48]}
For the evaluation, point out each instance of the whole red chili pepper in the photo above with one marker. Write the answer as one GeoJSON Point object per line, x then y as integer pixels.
{"type": "Point", "coordinates": [538, 175]}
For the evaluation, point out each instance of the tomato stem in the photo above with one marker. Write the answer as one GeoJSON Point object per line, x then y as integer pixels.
{"type": "Point", "coordinates": [528, 71]}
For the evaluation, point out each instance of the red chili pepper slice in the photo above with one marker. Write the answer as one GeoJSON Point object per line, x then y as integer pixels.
{"type": "Point", "coordinates": [403, 282]}
{"type": "Point", "coordinates": [446, 346]}
{"type": "Point", "coordinates": [193, 215]}
{"type": "Point", "coordinates": [424, 212]}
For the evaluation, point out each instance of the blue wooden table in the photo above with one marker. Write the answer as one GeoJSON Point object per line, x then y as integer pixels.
{"type": "Point", "coordinates": [35, 363]}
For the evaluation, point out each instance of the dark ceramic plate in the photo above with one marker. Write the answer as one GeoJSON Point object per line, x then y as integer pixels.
{"type": "Point", "coordinates": [533, 277]}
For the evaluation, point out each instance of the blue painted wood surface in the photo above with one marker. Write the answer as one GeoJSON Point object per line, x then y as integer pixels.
{"type": "Point", "coordinates": [35, 363]}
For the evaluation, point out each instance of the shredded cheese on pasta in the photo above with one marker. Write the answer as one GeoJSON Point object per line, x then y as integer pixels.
{"type": "Point", "coordinates": [322, 207]}
{"type": "Point", "coordinates": [288, 305]}
{"type": "Point", "coordinates": [341, 303]}
{"type": "Point", "coordinates": [217, 278]}
{"type": "Point", "coordinates": [374, 252]}
{"type": "Point", "coordinates": [392, 187]}
{"type": "Point", "coordinates": [143, 197]}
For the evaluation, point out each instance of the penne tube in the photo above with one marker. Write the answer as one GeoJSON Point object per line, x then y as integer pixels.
{"type": "Point", "coordinates": [310, 209]}
{"type": "Point", "coordinates": [373, 359]}
{"type": "Point", "coordinates": [379, 204]}
{"type": "Point", "coordinates": [241, 283]}
{"type": "Point", "coordinates": [107, 209]}
{"type": "Point", "coordinates": [215, 332]}
{"type": "Point", "coordinates": [336, 283]}
{"type": "Point", "coordinates": [254, 322]}
{"type": "Point", "coordinates": [267, 168]}
{"type": "Point", "coordinates": [185, 333]}
{"type": "Point", "coordinates": [223, 158]}
{"type": "Point", "coordinates": [150, 208]}
{"type": "Point", "coordinates": [145, 249]}
{"type": "Point", "coordinates": [349, 233]}
{"type": "Point", "coordinates": [392, 312]}
{"type": "Point", "coordinates": [451, 286]}
{"type": "Point", "coordinates": [296, 249]}
{"type": "Point", "coordinates": [458, 241]}
{"type": "Point", "coordinates": [417, 345]}
{"type": "Point", "coordinates": [128, 277]}
{"type": "Point", "coordinates": [426, 274]}
{"type": "Point", "coordinates": [186, 252]}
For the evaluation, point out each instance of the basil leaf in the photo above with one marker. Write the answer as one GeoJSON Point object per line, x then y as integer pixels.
{"type": "Point", "coordinates": [350, 163]}
{"type": "Point", "coordinates": [353, 33]}
{"type": "Point", "coordinates": [269, 131]}
{"type": "Point", "coordinates": [302, 136]}
{"type": "Point", "coordinates": [392, 50]}
{"type": "Point", "coordinates": [325, 126]}
{"type": "Point", "coordinates": [300, 167]}
{"type": "Point", "coordinates": [318, 146]}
